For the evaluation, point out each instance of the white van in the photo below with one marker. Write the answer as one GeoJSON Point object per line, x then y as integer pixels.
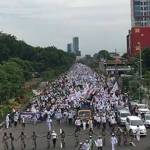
{"type": "Point", "coordinates": [122, 115]}
{"type": "Point", "coordinates": [131, 125]}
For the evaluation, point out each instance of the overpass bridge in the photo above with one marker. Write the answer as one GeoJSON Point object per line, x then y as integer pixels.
{"type": "Point", "coordinates": [110, 69]}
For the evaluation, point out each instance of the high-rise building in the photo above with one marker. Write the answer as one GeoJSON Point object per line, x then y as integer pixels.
{"type": "Point", "coordinates": [140, 13]}
{"type": "Point", "coordinates": [138, 37]}
{"type": "Point", "coordinates": [69, 48]}
{"type": "Point", "coordinates": [75, 44]}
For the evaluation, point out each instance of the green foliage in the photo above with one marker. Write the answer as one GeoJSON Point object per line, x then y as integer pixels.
{"type": "Point", "coordinates": [103, 54]}
{"type": "Point", "coordinates": [18, 61]}
{"type": "Point", "coordinates": [125, 55]}
{"type": "Point", "coordinates": [49, 74]}
{"type": "Point", "coordinates": [3, 111]}
{"type": "Point", "coordinates": [146, 59]}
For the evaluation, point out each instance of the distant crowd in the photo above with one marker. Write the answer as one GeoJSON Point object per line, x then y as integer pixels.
{"type": "Point", "coordinates": [60, 101]}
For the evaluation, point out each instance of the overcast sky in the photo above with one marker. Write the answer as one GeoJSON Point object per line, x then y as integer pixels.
{"type": "Point", "coordinates": [100, 24]}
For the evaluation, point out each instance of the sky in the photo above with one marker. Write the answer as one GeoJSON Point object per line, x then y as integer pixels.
{"type": "Point", "coordinates": [99, 24]}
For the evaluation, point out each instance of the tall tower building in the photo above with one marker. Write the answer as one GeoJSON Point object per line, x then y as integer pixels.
{"type": "Point", "coordinates": [140, 13]}
{"type": "Point", "coordinates": [75, 44]}
{"type": "Point", "coordinates": [138, 37]}
{"type": "Point", "coordinates": [69, 48]}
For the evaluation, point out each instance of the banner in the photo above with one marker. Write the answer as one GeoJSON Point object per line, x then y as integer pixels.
{"type": "Point", "coordinates": [30, 117]}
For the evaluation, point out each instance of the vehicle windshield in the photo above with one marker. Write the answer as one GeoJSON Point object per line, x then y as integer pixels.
{"type": "Point", "coordinates": [137, 122]}
{"type": "Point", "coordinates": [84, 114]}
{"type": "Point", "coordinates": [125, 115]}
{"type": "Point", "coordinates": [147, 117]}
{"type": "Point", "coordinates": [142, 106]}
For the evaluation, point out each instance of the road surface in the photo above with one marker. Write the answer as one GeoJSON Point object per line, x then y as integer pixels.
{"type": "Point", "coordinates": [41, 130]}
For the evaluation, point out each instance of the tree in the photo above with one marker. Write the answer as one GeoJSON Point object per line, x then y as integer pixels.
{"type": "Point", "coordinates": [19, 60]}
{"type": "Point", "coordinates": [103, 54]}
{"type": "Point", "coordinates": [125, 55]}
{"type": "Point", "coordinates": [146, 58]}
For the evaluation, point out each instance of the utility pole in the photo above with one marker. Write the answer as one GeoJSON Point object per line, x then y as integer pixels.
{"type": "Point", "coordinates": [140, 72]}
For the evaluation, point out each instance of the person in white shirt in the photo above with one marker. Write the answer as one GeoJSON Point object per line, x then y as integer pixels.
{"type": "Point", "coordinates": [86, 145]}
{"type": "Point", "coordinates": [78, 124]}
{"type": "Point", "coordinates": [58, 116]}
{"type": "Point", "coordinates": [99, 143]}
{"type": "Point", "coordinates": [15, 119]}
{"type": "Point", "coordinates": [70, 117]}
{"type": "Point", "coordinates": [90, 122]}
{"type": "Point", "coordinates": [138, 133]}
{"type": "Point", "coordinates": [104, 121]}
{"type": "Point", "coordinates": [113, 141]}
{"type": "Point", "coordinates": [7, 121]}
{"type": "Point", "coordinates": [49, 123]}
{"type": "Point", "coordinates": [23, 121]}
{"type": "Point", "coordinates": [84, 124]}
{"type": "Point", "coordinates": [98, 120]}
{"type": "Point", "coordinates": [113, 122]}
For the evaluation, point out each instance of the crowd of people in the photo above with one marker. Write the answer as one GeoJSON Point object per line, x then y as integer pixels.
{"type": "Point", "coordinates": [59, 101]}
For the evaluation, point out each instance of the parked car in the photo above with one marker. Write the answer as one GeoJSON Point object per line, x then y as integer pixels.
{"type": "Point", "coordinates": [143, 108]}
{"type": "Point", "coordinates": [146, 119]}
{"type": "Point", "coordinates": [122, 114]}
{"type": "Point", "coordinates": [131, 125]}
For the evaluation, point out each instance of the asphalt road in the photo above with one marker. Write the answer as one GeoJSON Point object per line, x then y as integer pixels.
{"type": "Point", "coordinates": [41, 130]}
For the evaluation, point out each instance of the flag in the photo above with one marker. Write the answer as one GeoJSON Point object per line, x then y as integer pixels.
{"type": "Point", "coordinates": [115, 88]}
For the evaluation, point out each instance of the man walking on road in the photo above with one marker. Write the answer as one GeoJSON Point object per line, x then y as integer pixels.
{"type": "Point", "coordinates": [7, 121]}
{"type": "Point", "coordinates": [113, 141]}
{"type": "Point", "coordinates": [99, 143]}
{"type": "Point", "coordinates": [48, 137]}
{"type": "Point", "coordinates": [138, 133]}
{"type": "Point", "coordinates": [34, 139]}
{"type": "Point", "coordinates": [12, 141]}
{"type": "Point", "coordinates": [5, 141]}
{"type": "Point", "coordinates": [54, 138]}
{"type": "Point", "coordinates": [22, 138]}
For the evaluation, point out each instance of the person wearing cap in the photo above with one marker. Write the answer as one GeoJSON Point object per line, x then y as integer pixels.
{"type": "Point", "coordinates": [91, 142]}
{"type": "Point", "coordinates": [99, 143]}
{"type": "Point", "coordinates": [113, 141]}
{"type": "Point", "coordinates": [138, 133]}
{"type": "Point", "coordinates": [54, 138]}
{"type": "Point", "coordinates": [80, 146]}
{"type": "Point", "coordinates": [78, 124]}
